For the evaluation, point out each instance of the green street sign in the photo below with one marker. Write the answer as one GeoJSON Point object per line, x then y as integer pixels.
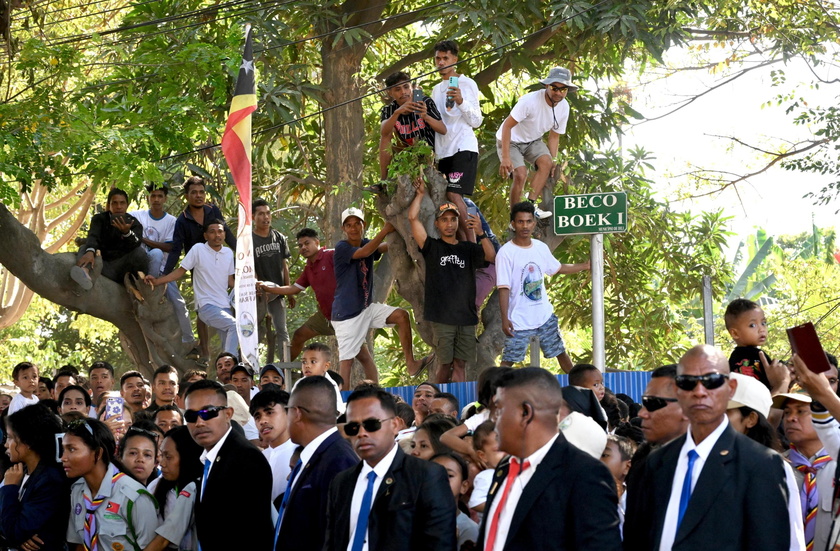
{"type": "Point", "coordinates": [590, 213]}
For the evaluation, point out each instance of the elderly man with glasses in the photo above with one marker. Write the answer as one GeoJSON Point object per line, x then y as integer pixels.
{"type": "Point", "coordinates": [519, 139]}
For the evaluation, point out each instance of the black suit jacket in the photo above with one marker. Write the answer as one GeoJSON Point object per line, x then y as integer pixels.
{"type": "Point", "coordinates": [739, 501]}
{"type": "Point", "coordinates": [413, 508]}
{"type": "Point", "coordinates": [239, 488]}
{"type": "Point", "coordinates": [570, 503]}
{"type": "Point", "coordinates": [305, 519]}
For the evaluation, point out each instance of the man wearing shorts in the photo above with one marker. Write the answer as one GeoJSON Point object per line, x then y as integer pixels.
{"type": "Point", "coordinates": [457, 150]}
{"type": "Point", "coordinates": [450, 284]}
{"type": "Point", "coordinates": [319, 273]}
{"type": "Point", "coordinates": [521, 265]}
{"type": "Point", "coordinates": [519, 139]}
{"type": "Point", "coordinates": [353, 313]}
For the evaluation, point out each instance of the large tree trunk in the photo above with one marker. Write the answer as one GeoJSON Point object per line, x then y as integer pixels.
{"type": "Point", "coordinates": [148, 329]}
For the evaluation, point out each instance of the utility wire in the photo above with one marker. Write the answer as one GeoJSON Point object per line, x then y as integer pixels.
{"type": "Point", "coordinates": [379, 91]}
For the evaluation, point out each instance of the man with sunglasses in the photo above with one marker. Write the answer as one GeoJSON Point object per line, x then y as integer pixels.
{"type": "Point", "coordinates": [662, 417]}
{"type": "Point", "coordinates": [236, 474]}
{"type": "Point", "coordinates": [311, 413]}
{"type": "Point", "coordinates": [396, 502]}
{"type": "Point", "coordinates": [712, 486]}
{"type": "Point", "coordinates": [519, 139]}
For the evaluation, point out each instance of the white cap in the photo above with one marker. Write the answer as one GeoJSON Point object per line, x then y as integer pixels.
{"type": "Point", "coordinates": [584, 433]}
{"type": "Point", "coordinates": [751, 393]}
{"type": "Point", "coordinates": [352, 211]}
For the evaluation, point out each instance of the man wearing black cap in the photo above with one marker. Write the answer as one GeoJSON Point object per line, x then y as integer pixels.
{"type": "Point", "coordinates": [242, 377]}
{"type": "Point", "coordinates": [519, 139]}
{"type": "Point", "coordinates": [270, 374]}
{"type": "Point", "coordinates": [450, 284]}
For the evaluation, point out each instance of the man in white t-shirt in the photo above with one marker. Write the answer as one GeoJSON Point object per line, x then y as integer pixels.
{"type": "Point", "coordinates": [158, 229]}
{"type": "Point", "coordinates": [519, 139]}
{"type": "Point", "coordinates": [457, 151]}
{"type": "Point", "coordinates": [521, 265]}
{"type": "Point", "coordinates": [213, 271]}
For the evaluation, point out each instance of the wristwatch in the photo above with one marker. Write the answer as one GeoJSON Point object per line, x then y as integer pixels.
{"type": "Point", "coordinates": [478, 238]}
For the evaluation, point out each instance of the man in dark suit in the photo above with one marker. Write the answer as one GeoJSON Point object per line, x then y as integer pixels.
{"type": "Point", "coordinates": [711, 487]}
{"type": "Point", "coordinates": [236, 477]}
{"type": "Point", "coordinates": [311, 413]}
{"type": "Point", "coordinates": [390, 501]}
{"type": "Point", "coordinates": [548, 495]}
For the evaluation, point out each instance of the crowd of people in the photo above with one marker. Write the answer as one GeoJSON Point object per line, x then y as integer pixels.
{"type": "Point", "coordinates": [738, 452]}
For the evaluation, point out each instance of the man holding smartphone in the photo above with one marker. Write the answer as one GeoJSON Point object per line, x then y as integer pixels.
{"type": "Point", "coordinates": [117, 236]}
{"type": "Point", "coordinates": [410, 117]}
{"type": "Point", "coordinates": [457, 151]}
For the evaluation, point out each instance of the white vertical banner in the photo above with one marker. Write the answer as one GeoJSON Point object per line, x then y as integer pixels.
{"type": "Point", "coordinates": [246, 291]}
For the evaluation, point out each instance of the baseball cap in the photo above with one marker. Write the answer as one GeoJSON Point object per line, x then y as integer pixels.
{"type": "Point", "coordinates": [243, 367]}
{"type": "Point", "coordinates": [446, 207]}
{"type": "Point", "coordinates": [750, 393]}
{"type": "Point", "coordinates": [561, 75]}
{"type": "Point", "coordinates": [796, 393]}
{"type": "Point", "coordinates": [352, 211]}
{"type": "Point", "coordinates": [271, 367]}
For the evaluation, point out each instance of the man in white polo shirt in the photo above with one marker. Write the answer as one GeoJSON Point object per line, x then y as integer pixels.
{"type": "Point", "coordinates": [213, 270]}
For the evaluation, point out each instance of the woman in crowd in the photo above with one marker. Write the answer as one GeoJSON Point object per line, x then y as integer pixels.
{"type": "Point", "coordinates": [139, 454]}
{"type": "Point", "coordinates": [74, 398]}
{"type": "Point", "coordinates": [109, 508]}
{"type": "Point", "coordinates": [37, 508]}
{"type": "Point", "coordinates": [426, 442]}
{"type": "Point", "coordinates": [175, 490]}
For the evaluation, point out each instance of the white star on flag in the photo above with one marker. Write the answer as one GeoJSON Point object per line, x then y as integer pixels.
{"type": "Point", "coordinates": [248, 65]}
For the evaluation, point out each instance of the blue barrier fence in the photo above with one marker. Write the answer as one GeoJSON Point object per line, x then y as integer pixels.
{"type": "Point", "coordinates": [632, 383]}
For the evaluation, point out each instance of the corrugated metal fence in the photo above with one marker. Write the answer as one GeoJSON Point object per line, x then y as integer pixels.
{"type": "Point", "coordinates": [632, 383]}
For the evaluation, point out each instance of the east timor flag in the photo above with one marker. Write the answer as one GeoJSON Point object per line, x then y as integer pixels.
{"type": "Point", "coordinates": [236, 141]}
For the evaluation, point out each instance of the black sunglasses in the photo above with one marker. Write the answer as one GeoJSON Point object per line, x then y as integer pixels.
{"type": "Point", "coordinates": [652, 403]}
{"type": "Point", "coordinates": [206, 414]}
{"type": "Point", "coordinates": [370, 425]}
{"type": "Point", "coordinates": [710, 380]}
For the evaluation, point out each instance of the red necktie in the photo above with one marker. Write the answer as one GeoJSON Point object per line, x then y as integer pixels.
{"type": "Point", "coordinates": [514, 470]}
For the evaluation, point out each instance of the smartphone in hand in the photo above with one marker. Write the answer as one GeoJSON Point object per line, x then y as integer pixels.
{"type": "Point", "coordinates": [472, 211]}
{"type": "Point", "coordinates": [417, 95]}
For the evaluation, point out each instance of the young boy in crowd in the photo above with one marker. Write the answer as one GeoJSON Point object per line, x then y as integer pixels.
{"type": "Point", "coordinates": [486, 443]}
{"type": "Point", "coordinates": [747, 326]}
{"type": "Point", "coordinates": [457, 472]}
{"type": "Point", "coordinates": [25, 376]}
{"type": "Point", "coordinates": [268, 409]}
{"type": "Point", "coordinates": [617, 457]}
{"type": "Point", "coordinates": [316, 359]}
{"type": "Point", "coordinates": [588, 376]}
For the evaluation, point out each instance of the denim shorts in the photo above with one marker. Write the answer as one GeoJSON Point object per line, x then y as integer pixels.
{"type": "Point", "coordinates": [551, 342]}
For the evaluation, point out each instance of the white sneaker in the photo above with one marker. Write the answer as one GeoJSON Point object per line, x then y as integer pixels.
{"type": "Point", "coordinates": [541, 214]}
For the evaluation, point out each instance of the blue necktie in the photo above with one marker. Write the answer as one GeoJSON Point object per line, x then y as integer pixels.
{"type": "Point", "coordinates": [204, 485]}
{"type": "Point", "coordinates": [364, 513]}
{"type": "Point", "coordinates": [285, 500]}
{"type": "Point", "coordinates": [685, 496]}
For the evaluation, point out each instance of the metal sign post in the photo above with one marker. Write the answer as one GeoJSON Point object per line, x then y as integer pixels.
{"type": "Point", "coordinates": [596, 259]}
{"type": "Point", "coordinates": [593, 214]}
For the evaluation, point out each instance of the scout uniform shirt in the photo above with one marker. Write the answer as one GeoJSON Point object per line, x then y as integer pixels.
{"type": "Point", "coordinates": [127, 518]}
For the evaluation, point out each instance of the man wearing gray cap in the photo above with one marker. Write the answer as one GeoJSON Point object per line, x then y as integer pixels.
{"type": "Point", "coordinates": [519, 139]}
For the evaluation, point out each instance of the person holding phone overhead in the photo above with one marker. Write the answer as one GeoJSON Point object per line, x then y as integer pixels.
{"type": "Point", "coordinates": [410, 117]}
{"type": "Point", "coordinates": [456, 151]}
{"type": "Point", "coordinates": [117, 236]}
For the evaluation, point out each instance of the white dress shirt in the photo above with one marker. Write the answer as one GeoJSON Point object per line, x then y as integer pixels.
{"type": "Point", "coordinates": [381, 470]}
{"type": "Point", "coordinates": [515, 494]}
{"type": "Point", "coordinates": [211, 455]}
{"type": "Point", "coordinates": [703, 449]}
{"type": "Point", "coordinates": [309, 451]}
